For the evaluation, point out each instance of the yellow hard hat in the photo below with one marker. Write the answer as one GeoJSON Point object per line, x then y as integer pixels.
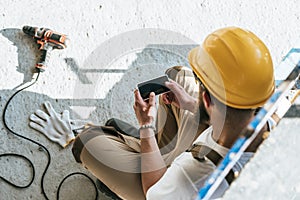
{"type": "Point", "coordinates": [235, 66]}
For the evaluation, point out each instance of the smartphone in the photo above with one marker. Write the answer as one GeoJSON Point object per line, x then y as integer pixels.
{"type": "Point", "coordinates": [156, 85]}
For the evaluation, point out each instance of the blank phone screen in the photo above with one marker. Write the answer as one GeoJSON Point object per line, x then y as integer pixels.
{"type": "Point", "coordinates": [156, 85]}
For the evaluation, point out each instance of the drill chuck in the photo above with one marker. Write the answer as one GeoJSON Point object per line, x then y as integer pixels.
{"type": "Point", "coordinates": [29, 30]}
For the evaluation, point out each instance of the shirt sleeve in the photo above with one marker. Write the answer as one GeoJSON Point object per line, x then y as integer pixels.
{"type": "Point", "coordinates": [179, 180]}
{"type": "Point", "coordinates": [183, 179]}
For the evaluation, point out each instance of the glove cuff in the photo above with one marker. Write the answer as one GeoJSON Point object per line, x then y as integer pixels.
{"type": "Point", "coordinates": [69, 139]}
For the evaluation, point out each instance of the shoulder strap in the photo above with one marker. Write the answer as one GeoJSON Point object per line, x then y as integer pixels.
{"type": "Point", "coordinates": [198, 151]}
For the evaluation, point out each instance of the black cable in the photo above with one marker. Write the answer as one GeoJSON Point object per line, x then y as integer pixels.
{"type": "Point", "coordinates": [40, 146]}
{"type": "Point", "coordinates": [16, 134]}
{"type": "Point", "coordinates": [72, 174]}
{"type": "Point", "coordinates": [26, 138]}
{"type": "Point", "coordinates": [31, 164]}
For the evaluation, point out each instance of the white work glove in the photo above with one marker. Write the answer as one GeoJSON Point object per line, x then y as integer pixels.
{"type": "Point", "coordinates": [57, 127]}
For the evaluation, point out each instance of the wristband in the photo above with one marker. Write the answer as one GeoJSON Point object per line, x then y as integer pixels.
{"type": "Point", "coordinates": [147, 134]}
{"type": "Point", "coordinates": [145, 126]}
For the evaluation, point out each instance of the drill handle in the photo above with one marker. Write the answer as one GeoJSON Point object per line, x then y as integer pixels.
{"type": "Point", "coordinates": [43, 61]}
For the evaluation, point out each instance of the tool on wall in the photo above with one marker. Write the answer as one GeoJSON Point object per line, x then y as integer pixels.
{"type": "Point", "coordinates": [47, 40]}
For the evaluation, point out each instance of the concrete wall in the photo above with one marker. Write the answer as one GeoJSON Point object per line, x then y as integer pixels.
{"type": "Point", "coordinates": [273, 173]}
{"type": "Point", "coordinates": [114, 45]}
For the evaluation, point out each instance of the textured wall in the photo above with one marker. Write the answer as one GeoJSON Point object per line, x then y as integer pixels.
{"type": "Point", "coordinates": [273, 172]}
{"type": "Point", "coordinates": [114, 45]}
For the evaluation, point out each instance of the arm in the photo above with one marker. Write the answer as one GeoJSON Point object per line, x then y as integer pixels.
{"type": "Point", "coordinates": [152, 163]}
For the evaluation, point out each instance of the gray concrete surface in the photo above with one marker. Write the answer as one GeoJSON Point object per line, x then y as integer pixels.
{"type": "Point", "coordinates": [114, 45]}
{"type": "Point", "coordinates": [273, 173]}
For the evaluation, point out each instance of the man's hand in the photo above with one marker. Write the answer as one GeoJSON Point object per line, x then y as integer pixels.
{"type": "Point", "coordinates": [145, 111]}
{"type": "Point", "coordinates": [179, 97]}
{"type": "Point", "coordinates": [57, 127]}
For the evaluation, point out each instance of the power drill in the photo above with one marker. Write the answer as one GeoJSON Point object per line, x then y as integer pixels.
{"type": "Point", "coordinates": [47, 41]}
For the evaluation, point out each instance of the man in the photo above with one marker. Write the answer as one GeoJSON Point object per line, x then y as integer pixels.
{"type": "Point", "coordinates": [113, 156]}
{"type": "Point", "coordinates": [236, 73]}
{"type": "Point", "coordinates": [130, 166]}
